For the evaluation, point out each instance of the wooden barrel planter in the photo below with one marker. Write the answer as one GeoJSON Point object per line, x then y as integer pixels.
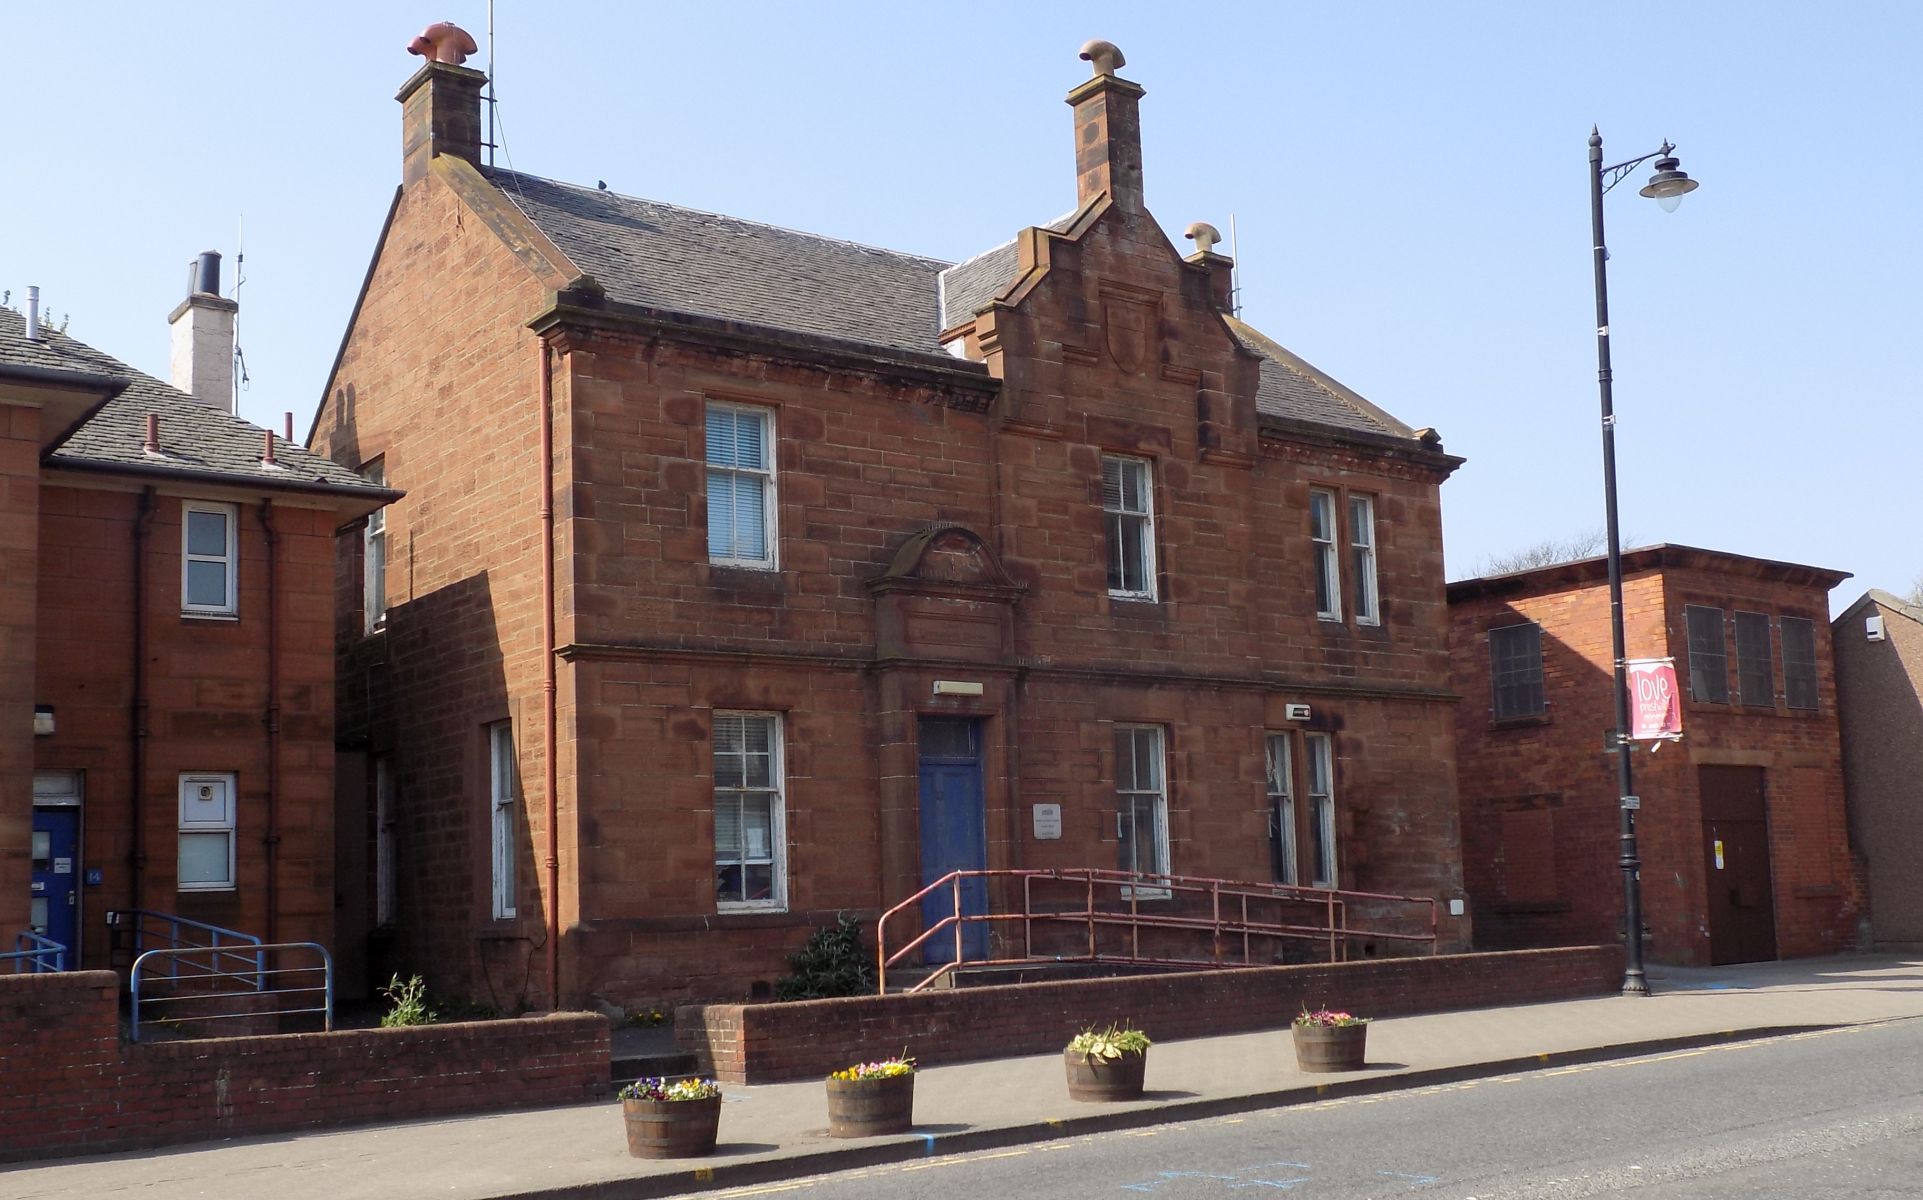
{"type": "Point", "coordinates": [1325, 1048]}
{"type": "Point", "coordinates": [1097, 1080]}
{"type": "Point", "coordinates": [870, 1107]}
{"type": "Point", "coordinates": [671, 1128]}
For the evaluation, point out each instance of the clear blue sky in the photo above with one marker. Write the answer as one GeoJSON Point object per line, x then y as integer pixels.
{"type": "Point", "coordinates": [1409, 180]}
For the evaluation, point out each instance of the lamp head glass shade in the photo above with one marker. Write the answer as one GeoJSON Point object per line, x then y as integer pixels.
{"type": "Point", "coordinates": [1668, 185]}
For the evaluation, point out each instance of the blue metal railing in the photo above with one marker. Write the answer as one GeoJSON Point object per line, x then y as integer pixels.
{"type": "Point", "coordinates": [32, 954]}
{"type": "Point", "coordinates": [202, 964]}
{"type": "Point", "coordinates": [228, 949]}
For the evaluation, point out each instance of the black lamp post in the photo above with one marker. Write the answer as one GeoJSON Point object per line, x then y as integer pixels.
{"type": "Point", "coordinates": [1666, 187]}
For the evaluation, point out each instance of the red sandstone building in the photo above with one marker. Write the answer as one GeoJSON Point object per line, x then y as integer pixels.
{"type": "Point", "coordinates": [166, 682]}
{"type": "Point", "coordinates": [747, 576]}
{"type": "Point", "coordinates": [1744, 843]}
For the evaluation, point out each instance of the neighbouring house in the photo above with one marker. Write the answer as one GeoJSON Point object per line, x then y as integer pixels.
{"type": "Point", "coordinates": [166, 668]}
{"type": "Point", "coordinates": [746, 577]}
{"type": "Point", "coordinates": [1879, 695]}
{"type": "Point", "coordinates": [1744, 846]}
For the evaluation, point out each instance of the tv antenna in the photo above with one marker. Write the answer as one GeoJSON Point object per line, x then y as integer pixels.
{"type": "Point", "coordinates": [1235, 272]}
{"type": "Point", "coordinates": [490, 83]}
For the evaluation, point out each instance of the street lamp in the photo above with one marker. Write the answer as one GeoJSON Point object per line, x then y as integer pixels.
{"type": "Point", "coordinates": [1666, 187]}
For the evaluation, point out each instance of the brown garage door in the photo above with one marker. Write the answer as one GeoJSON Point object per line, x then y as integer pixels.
{"type": "Point", "coordinates": [1742, 911]}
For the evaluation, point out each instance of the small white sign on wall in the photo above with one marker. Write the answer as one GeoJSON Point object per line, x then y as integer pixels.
{"type": "Point", "coordinates": [1048, 822]}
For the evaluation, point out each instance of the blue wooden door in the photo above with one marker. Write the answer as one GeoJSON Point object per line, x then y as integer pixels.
{"type": "Point", "coordinates": [55, 905]}
{"type": "Point", "coordinates": [953, 833]}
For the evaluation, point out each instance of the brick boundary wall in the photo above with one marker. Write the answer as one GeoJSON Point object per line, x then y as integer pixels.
{"type": "Point", "coordinates": [69, 1084]}
{"type": "Point", "coordinates": [768, 1043]}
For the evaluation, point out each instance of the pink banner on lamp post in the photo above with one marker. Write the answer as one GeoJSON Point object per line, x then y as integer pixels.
{"type": "Point", "coordinates": [1655, 704]}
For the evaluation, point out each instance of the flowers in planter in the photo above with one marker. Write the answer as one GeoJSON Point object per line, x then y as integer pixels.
{"type": "Point", "coordinates": [655, 1088]}
{"type": "Point", "coordinates": [884, 1068]}
{"type": "Point", "coordinates": [1328, 1018]}
{"type": "Point", "coordinates": [1110, 1043]}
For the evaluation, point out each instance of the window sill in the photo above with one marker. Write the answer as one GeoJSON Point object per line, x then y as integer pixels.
{"type": "Point", "coordinates": [210, 616]}
{"type": "Point", "coordinates": [1528, 722]}
{"type": "Point", "coordinates": [731, 912]}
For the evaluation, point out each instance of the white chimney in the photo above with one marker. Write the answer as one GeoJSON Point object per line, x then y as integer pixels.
{"type": "Point", "coordinates": [203, 336]}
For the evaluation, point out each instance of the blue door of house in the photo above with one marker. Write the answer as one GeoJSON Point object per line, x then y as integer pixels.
{"type": "Point", "coordinates": [954, 836]}
{"type": "Point", "coordinates": [54, 910]}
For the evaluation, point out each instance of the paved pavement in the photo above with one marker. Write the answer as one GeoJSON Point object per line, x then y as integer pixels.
{"type": "Point", "coordinates": [778, 1131]}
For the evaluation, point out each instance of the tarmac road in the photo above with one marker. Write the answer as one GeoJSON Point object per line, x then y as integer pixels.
{"type": "Point", "coordinates": [1836, 1113]}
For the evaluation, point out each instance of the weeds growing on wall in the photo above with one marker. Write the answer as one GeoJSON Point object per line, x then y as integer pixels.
{"type": "Point", "coordinates": [407, 1003]}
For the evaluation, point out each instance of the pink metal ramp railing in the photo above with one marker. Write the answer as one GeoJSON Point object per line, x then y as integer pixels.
{"type": "Point", "coordinates": [1236, 916]}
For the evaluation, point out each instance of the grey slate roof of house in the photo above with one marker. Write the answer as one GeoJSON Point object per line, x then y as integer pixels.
{"type": "Point", "coordinates": [968, 286]}
{"type": "Point", "coordinates": [195, 438]}
{"type": "Point", "coordinates": [684, 260]}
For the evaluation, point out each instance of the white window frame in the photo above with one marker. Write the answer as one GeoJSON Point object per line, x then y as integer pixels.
{"type": "Point", "coordinates": [1320, 753]}
{"type": "Point", "coordinates": [229, 559]}
{"type": "Point", "coordinates": [201, 822]}
{"type": "Point", "coordinates": [1279, 752]}
{"type": "Point", "coordinates": [1124, 525]}
{"type": "Point", "coordinates": [386, 865]}
{"type": "Point", "coordinates": [1127, 800]}
{"type": "Point", "coordinates": [776, 792]}
{"type": "Point", "coordinates": [504, 801]}
{"type": "Point", "coordinates": [1362, 559]}
{"type": "Point", "coordinates": [374, 556]}
{"type": "Point", "coordinates": [1322, 536]}
{"type": "Point", "coordinates": [770, 521]}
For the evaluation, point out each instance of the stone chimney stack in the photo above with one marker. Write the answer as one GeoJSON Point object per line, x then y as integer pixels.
{"type": "Point", "coordinates": [441, 104]}
{"type": "Point", "coordinates": [1221, 267]}
{"type": "Point", "coordinates": [202, 362]}
{"type": "Point", "coordinates": [1108, 131]}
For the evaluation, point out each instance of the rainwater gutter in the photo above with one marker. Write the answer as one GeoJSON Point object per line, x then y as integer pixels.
{"type": "Point", "coordinates": [272, 840]}
{"type": "Point", "coordinates": [137, 713]}
{"type": "Point", "coordinates": [549, 736]}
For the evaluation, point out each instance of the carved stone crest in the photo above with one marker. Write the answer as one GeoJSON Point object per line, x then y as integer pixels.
{"type": "Point", "coordinates": [1129, 325]}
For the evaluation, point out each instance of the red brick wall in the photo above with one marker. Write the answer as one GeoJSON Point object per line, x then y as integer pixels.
{"type": "Point", "coordinates": [19, 566]}
{"type": "Point", "coordinates": [1542, 791]}
{"type": "Point", "coordinates": [766, 1043]}
{"type": "Point", "coordinates": [440, 381]}
{"type": "Point", "coordinates": [74, 1087]}
{"type": "Point", "coordinates": [207, 704]}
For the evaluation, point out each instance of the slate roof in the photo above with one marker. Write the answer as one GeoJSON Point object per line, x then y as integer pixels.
{"type": "Point", "coordinates": [195, 438]}
{"type": "Point", "coordinates": [968, 286]}
{"type": "Point", "coordinates": [684, 260]}
{"type": "Point", "coordinates": [1292, 389]}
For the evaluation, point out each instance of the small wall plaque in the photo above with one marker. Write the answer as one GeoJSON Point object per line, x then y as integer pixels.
{"type": "Point", "coordinates": [1048, 822]}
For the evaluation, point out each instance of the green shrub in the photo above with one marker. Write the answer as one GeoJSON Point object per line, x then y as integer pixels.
{"type": "Point", "coordinates": [833, 963]}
